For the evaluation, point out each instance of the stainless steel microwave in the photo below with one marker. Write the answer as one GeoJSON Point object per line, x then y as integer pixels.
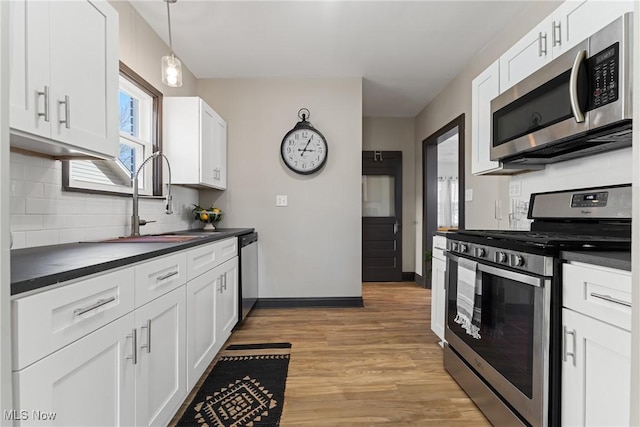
{"type": "Point", "coordinates": [578, 104]}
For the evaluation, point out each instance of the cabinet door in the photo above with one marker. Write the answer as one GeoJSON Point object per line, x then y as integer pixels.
{"type": "Point", "coordinates": [595, 372]}
{"type": "Point", "coordinates": [88, 383]}
{"type": "Point", "coordinates": [202, 342]}
{"type": "Point", "coordinates": [161, 368]}
{"type": "Point", "coordinates": [29, 67]}
{"type": "Point", "coordinates": [207, 145]}
{"type": "Point", "coordinates": [227, 306]}
{"type": "Point", "coordinates": [83, 98]}
{"type": "Point", "coordinates": [438, 294]}
{"type": "Point", "coordinates": [574, 21]}
{"type": "Point", "coordinates": [483, 89]}
{"type": "Point", "coordinates": [526, 56]}
{"type": "Point", "coordinates": [220, 153]}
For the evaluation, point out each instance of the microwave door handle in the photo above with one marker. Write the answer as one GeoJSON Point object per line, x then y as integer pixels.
{"type": "Point", "coordinates": [573, 86]}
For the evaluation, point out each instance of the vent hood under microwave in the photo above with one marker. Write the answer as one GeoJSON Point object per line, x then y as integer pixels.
{"type": "Point", "coordinates": [578, 104]}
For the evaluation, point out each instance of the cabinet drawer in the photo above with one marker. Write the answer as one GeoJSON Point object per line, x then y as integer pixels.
{"type": "Point", "coordinates": [159, 276]}
{"type": "Point", "coordinates": [600, 292]}
{"type": "Point", "coordinates": [47, 321]}
{"type": "Point", "coordinates": [206, 257]}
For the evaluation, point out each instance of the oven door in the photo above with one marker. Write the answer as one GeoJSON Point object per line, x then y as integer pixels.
{"type": "Point", "coordinates": [512, 353]}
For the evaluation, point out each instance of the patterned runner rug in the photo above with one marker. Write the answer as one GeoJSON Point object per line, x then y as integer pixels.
{"type": "Point", "coordinates": [244, 389]}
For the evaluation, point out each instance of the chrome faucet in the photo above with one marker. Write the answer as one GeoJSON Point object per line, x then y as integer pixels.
{"type": "Point", "coordinates": [136, 222]}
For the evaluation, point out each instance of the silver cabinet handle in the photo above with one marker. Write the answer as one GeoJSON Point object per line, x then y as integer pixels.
{"type": "Point", "coordinates": [396, 227]}
{"type": "Point", "coordinates": [542, 44]}
{"type": "Point", "coordinates": [224, 280]}
{"type": "Point", "coordinates": [134, 346]}
{"type": "Point", "coordinates": [44, 93]}
{"type": "Point", "coordinates": [221, 285]}
{"type": "Point", "coordinates": [573, 86]}
{"type": "Point", "coordinates": [564, 345]}
{"type": "Point", "coordinates": [611, 299]}
{"type": "Point", "coordinates": [148, 328]}
{"type": "Point", "coordinates": [99, 303]}
{"type": "Point", "coordinates": [166, 276]}
{"type": "Point", "coordinates": [557, 40]}
{"type": "Point", "coordinates": [67, 119]}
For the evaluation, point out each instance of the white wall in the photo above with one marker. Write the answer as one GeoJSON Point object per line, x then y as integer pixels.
{"type": "Point", "coordinates": [455, 99]}
{"type": "Point", "coordinates": [312, 248]}
{"type": "Point", "coordinates": [43, 214]}
{"type": "Point", "coordinates": [397, 134]}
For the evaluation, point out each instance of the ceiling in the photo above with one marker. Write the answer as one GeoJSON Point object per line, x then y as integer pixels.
{"type": "Point", "coordinates": [405, 51]}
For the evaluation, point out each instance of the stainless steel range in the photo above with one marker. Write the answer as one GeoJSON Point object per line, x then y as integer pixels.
{"type": "Point", "coordinates": [504, 289]}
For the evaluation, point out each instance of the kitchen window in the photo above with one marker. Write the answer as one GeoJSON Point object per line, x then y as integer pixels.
{"type": "Point", "coordinates": [140, 136]}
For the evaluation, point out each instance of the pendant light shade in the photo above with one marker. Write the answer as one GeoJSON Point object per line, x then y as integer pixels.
{"type": "Point", "coordinates": [171, 66]}
{"type": "Point", "coordinates": [171, 71]}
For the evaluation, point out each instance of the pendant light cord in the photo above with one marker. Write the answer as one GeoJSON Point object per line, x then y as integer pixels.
{"type": "Point", "coordinates": [169, 22]}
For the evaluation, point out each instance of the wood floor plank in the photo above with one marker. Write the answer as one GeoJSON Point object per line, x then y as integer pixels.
{"type": "Point", "coordinates": [379, 365]}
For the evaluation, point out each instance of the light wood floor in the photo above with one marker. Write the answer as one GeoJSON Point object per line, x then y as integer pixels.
{"type": "Point", "coordinates": [377, 365]}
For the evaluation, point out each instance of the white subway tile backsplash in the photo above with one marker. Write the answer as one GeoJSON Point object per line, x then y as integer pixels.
{"type": "Point", "coordinates": [43, 214]}
{"type": "Point", "coordinates": [42, 238]}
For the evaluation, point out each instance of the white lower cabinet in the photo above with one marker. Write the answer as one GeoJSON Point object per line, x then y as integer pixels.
{"type": "Point", "coordinates": [596, 350]}
{"type": "Point", "coordinates": [89, 382]}
{"type": "Point", "coordinates": [438, 291]}
{"type": "Point", "coordinates": [212, 301]}
{"type": "Point", "coordinates": [161, 364]}
{"type": "Point", "coordinates": [596, 371]}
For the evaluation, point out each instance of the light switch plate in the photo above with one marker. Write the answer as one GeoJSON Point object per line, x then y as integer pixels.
{"type": "Point", "coordinates": [468, 195]}
{"type": "Point", "coordinates": [281, 200]}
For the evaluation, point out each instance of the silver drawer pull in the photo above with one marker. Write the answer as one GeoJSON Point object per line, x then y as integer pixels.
{"type": "Point", "coordinates": [67, 118]}
{"type": "Point", "coordinates": [147, 326]}
{"type": "Point", "coordinates": [611, 299]}
{"type": "Point", "coordinates": [564, 345]}
{"type": "Point", "coordinates": [134, 346]}
{"type": "Point", "coordinates": [44, 93]}
{"type": "Point", "coordinates": [99, 303]}
{"type": "Point", "coordinates": [166, 276]}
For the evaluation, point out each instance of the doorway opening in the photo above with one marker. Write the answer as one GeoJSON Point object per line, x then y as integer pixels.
{"type": "Point", "coordinates": [381, 216]}
{"type": "Point", "coordinates": [442, 186]}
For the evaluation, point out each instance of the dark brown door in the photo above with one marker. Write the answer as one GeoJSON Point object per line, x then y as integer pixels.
{"type": "Point", "coordinates": [381, 216]}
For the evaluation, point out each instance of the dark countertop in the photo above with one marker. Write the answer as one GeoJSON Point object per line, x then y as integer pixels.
{"type": "Point", "coordinates": [619, 260]}
{"type": "Point", "coordinates": [35, 268]}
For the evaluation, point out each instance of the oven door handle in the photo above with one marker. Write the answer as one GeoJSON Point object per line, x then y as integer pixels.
{"type": "Point", "coordinates": [506, 274]}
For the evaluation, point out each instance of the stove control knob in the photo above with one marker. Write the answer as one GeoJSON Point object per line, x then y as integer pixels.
{"type": "Point", "coordinates": [454, 247]}
{"type": "Point", "coordinates": [501, 257]}
{"type": "Point", "coordinates": [517, 261]}
{"type": "Point", "coordinates": [481, 253]}
{"type": "Point", "coordinates": [463, 248]}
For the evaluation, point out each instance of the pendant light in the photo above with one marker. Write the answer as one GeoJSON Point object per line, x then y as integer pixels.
{"type": "Point", "coordinates": [171, 66]}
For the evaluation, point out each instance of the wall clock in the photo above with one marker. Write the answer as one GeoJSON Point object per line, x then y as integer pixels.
{"type": "Point", "coordinates": [304, 149]}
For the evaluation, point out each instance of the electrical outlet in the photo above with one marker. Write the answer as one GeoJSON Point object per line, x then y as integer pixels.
{"type": "Point", "coordinates": [281, 200]}
{"type": "Point", "coordinates": [515, 188]}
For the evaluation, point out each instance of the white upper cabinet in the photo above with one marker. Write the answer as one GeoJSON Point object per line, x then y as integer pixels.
{"type": "Point", "coordinates": [483, 89]}
{"type": "Point", "coordinates": [64, 77]}
{"type": "Point", "coordinates": [575, 21]}
{"type": "Point", "coordinates": [195, 140]}
{"type": "Point", "coordinates": [572, 22]}
{"type": "Point", "coordinates": [527, 55]}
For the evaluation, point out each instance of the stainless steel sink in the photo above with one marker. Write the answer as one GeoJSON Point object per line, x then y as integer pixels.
{"type": "Point", "coordinates": [156, 238]}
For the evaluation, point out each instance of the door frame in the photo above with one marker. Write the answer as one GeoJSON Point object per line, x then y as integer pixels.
{"type": "Point", "coordinates": [430, 185]}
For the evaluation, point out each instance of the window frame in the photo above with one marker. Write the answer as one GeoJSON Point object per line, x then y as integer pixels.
{"type": "Point", "coordinates": [156, 141]}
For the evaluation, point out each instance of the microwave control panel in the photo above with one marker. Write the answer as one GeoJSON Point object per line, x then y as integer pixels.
{"type": "Point", "coordinates": [604, 68]}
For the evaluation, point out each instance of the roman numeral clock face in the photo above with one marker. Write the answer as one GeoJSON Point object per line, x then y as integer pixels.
{"type": "Point", "coordinates": [304, 150]}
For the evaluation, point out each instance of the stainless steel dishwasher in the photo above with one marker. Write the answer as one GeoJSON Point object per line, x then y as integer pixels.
{"type": "Point", "coordinates": [248, 274]}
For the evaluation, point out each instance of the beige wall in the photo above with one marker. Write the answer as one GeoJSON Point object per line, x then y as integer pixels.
{"type": "Point", "coordinates": [397, 134]}
{"type": "Point", "coordinates": [312, 248]}
{"type": "Point", "coordinates": [455, 99]}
